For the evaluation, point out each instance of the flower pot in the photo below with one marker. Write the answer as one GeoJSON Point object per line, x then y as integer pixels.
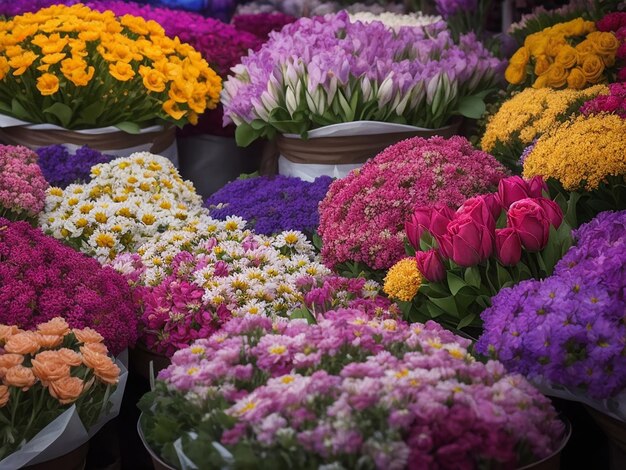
{"type": "Point", "coordinates": [110, 140]}
{"type": "Point", "coordinates": [74, 460]}
{"type": "Point", "coordinates": [140, 358]}
{"type": "Point", "coordinates": [615, 430]}
{"type": "Point", "coordinates": [337, 149]}
{"type": "Point", "coordinates": [553, 461]}
{"type": "Point", "coordinates": [157, 463]}
{"type": "Point", "coordinates": [210, 161]}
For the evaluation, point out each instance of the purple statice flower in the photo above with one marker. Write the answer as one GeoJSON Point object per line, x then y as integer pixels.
{"type": "Point", "coordinates": [527, 152]}
{"type": "Point", "coordinates": [41, 278]}
{"type": "Point", "coordinates": [62, 168]}
{"type": "Point", "coordinates": [22, 185]}
{"type": "Point", "coordinates": [271, 204]}
{"type": "Point", "coordinates": [569, 328]}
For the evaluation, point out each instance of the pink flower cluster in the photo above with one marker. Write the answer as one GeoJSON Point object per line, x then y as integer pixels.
{"type": "Point", "coordinates": [469, 236]}
{"type": "Point", "coordinates": [360, 216]}
{"type": "Point", "coordinates": [614, 102]}
{"type": "Point", "coordinates": [22, 184]}
{"type": "Point", "coordinates": [389, 394]}
{"type": "Point", "coordinates": [40, 278]}
{"type": "Point", "coordinates": [616, 23]}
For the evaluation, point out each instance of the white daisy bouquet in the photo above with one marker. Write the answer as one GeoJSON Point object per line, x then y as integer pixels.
{"type": "Point", "coordinates": [190, 282]}
{"type": "Point", "coordinates": [128, 201]}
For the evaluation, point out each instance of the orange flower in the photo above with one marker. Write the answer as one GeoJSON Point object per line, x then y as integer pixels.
{"type": "Point", "coordinates": [153, 80]}
{"type": "Point", "coordinates": [9, 360]}
{"type": "Point", "coordinates": [21, 62]}
{"type": "Point", "coordinates": [70, 357]}
{"type": "Point", "coordinates": [48, 84]}
{"type": "Point", "coordinates": [172, 109]}
{"type": "Point", "coordinates": [4, 395]}
{"type": "Point", "coordinates": [56, 326]}
{"type": "Point", "coordinates": [103, 367]}
{"type": "Point", "coordinates": [22, 343]}
{"type": "Point", "coordinates": [67, 389]}
{"type": "Point", "coordinates": [20, 376]}
{"type": "Point", "coordinates": [87, 335]}
{"type": "Point", "coordinates": [592, 68]}
{"type": "Point", "coordinates": [7, 331]}
{"type": "Point", "coordinates": [121, 71]}
{"type": "Point", "coordinates": [49, 366]}
{"type": "Point", "coordinates": [99, 348]}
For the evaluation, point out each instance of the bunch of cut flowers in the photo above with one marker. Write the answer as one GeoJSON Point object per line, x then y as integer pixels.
{"type": "Point", "coordinates": [22, 184]}
{"type": "Point", "coordinates": [350, 390]}
{"type": "Point", "coordinates": [48, 372]}
{"type": "Point", "coordinates": [567, 332]}
{"type": "Point", "coordinates": [56, 61]}
{"type": "Point", "coordinates": [190, 282]}
{"type": "Point", "coordinates": [463, 258]}
{"type": "Point", "coordinates": [326, 70]}
{"type": "Point", "coordinates": [40, 278]}
{"type": "Point", "coordinates": [127, 202]}
{"type": "Point", "coordinates": [359, 217]}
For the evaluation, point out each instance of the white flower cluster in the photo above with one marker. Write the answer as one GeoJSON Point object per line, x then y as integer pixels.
{"type": "Point", "coordinates": [246, 272]}
{"type": "Point", "coordinates": [128, 201]}
{"type": "Point", "coordinates": [396, 21]}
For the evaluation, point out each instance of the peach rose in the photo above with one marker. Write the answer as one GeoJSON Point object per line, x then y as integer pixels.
{"type": "Point", "coordinates": [4, 395]}
{"type": "Point", "coordinates": [48, 366]}
{"type": "Point", "coordinates": [49, 341]}
{"type": "Point", "coordinates": [22, 343]}
{"type": "Point", "coordinates": [103, 367]}
{"type": "Point", "coordinates": [56, 326]}
{"type": "Point", "coordinates": [9, 360]}
{"type": "Point", "coordinates": [70, 357]}
{"type": "Point", "coordinates": [87, 335]}
{"type": "Point", "coordinates": [7, 331]}
{"type": "Point", "coordinates": [99, 348]}
{"type": "Point", "coordinates": [66, 390]}
{"type": "Point", "coordinates": [20, 376]}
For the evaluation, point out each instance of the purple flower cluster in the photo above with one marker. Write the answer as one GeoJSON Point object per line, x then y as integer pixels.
{"type": "Point", "coordinates": [389, 394]}
{"type": "Point", "coordinates": [9, 8]}
{"type": "Point", "coordinates": [262, 24]}
{"type": "Point", "coordinates": [569, 328]}
{"type": "Point", "coordinates": [62, 168]}
{"type": "Point", "coordinates": [271, 204]}
{"type": "Point", "coordinates": [22, 186]}
{"type": "Point", "coordinates": [40, 278]}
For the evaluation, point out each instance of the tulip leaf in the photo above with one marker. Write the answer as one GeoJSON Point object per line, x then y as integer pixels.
{"type": "Point", "coordinates": [484, 301]}
{"type": "Point", "coordinates": [472, 276]}
{"type": "Point", "coordinates": [244, 134]}
{"type": "Point", "coordinates": [455, 283]}
{"type": "Point", "coordinates": [91, 113]}
{"type": "Point", "coordinates": [434, 310]}
{"type": "Point", "coordinates": [447, 304]}
{"type": "Point", "coordinates": [466, 321]}
{"type": "Point", "coordinates": [405, 307]}
{"type": "Point", "coordinates": [472, 107]}
{"type": "Point", "coordinates": [303, 313]}
{"type": "Point", "coordinates": [408, 248]}
{"type": "Point", "coordinates": [62, 112]}
{"type": "Point", "coordinates": [504, 275]}
{"type": "Point", "coordinates": [129, 127]}
{"type": "Point", "coordinates": [18, 110]}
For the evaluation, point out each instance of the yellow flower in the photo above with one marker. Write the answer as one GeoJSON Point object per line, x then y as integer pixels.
{"type": "Point", "coordinates": [566, 57]}
{"type": "Point", "coordinates": [581, 152]}
{"type": "Point", "coordinates": [76, 71]}
{"type": "Point", "coordinates": [542, 64]}
{"type": "Point", "coordinates": [521, 57]}
{"type": "Point", "coordinates": [605, 43]}
{"type": "Point", "coordinates": [52, 59]}
{"type": "Point", "coordinates": [403, 280]}
{"type": "Point", "coordinates": [4, 67]}
{"type": "Point", "coordinates": [48, 84]}
{"type": "Point", "coordinates": [52, 44]}
{"type": "Point", "coordinates": [153, 80]}
{"type": "Point", "coordinates": [556, 77]}
{"type": "Point", "coordinates": [592, 68]}
{"type": "Point", "coordinates": [515, 74]}
{"type": "Point", "coordinates": [121, 71]}
{"type": "Point", "coordinates": [576, 79]}
{"type": "Point", "coordinates": [21, 62]}
{"type": "Point", "coordinates": [171, 108]}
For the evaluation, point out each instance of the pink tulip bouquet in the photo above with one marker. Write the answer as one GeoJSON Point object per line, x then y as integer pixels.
{"type": "Point", "coordinates": [465, 257]}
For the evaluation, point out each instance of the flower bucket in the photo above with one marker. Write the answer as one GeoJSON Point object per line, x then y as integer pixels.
{"type": "Point", "coordinates": [160, 140]}
{"type": "Point", "coordinates": [553, 461]}
{"type": "Point", "coordinates": [140, 358]}
{"type": "Point", "coordinates": [337, 149]}
{"type": "Point", "coordinates": [210, 161]}
{"type": "Point", "coordinates": [616, 433]}
{"type": "Point", "coordinates": [74, 460]}
{"type": "Point", "coordinates": [157, 463]}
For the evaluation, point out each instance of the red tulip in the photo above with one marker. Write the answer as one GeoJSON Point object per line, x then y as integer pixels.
{"type": "Point", "coordinates": [536, 186]}
{"type": "Point", "coordinates": [467, 242]}
{"type": "Point", "coordinates": [433, 219]}
{"type": "Point", "coordinates": [552, 209]}
{"type": "Point", "coordinates": [512, 189]}
{"type": "Point", "coordinates": [531, 223]}
{"type": "Point", "coordinates": [430, 265]}
{"type": "Point", "coordinates": [478, 209]}
{"type": "Point", "coordinates": [508, 246]}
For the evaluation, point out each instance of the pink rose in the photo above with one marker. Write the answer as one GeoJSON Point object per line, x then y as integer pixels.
{"type": "Point", "coordinates": [430, 265]}
{"type": "Point", "coordinates": [508, 246]}
{"type": "Point", "coordinates": [530, 221]}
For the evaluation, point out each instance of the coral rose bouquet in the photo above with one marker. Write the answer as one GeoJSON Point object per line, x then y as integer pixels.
{"type": "Point", "coordinates": [463, 258]}
{"type": "Point", "coordinates": [350, 389]}
{"type": "Point", "coordinates": [47, 375]}
{"type": "Point", "coordinates": [573, 55]}
{"type": "Point", "coordinates": [327, 70]}
{"type": "Point", "coordinates": [79, 68]}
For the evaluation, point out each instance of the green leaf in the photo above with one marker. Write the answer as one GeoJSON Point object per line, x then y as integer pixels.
{"type": "Point", "coordinates": [303, 313]}
{"type": "Point", "coordinates": [62, 112]}
{"type": "Point", "coordinates": [504, 275]}
{"type": "Point", "coordinates": [472, 107]}
{"type": "Point", "coordinates": [447, 304]}
{"type": "Point", "coordinates": [405, 307]}
{"type": "Point", "coordinates": [91, 113]}
{"type": "Point", "coordinates": [472, 276]}
{"type": "Point", "coordinates": [466, 321]}
{"type": "Point", "coordinates": [129, 127]}
{"type": "Point", "coordinates": [18, 110]}
{"type": "Point", "coordinates": [455, 283]}
{"type": "Point", "coordinates": [245, 134]}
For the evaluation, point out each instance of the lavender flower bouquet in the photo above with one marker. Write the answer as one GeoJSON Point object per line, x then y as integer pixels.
{"type": "Point", "coordinates": [62, 168]}
{"type": "Point", "coordinates": [350, 392]}
{"type": "Point", "coordinates": [568, 330]}
{"type": "Point", "coordinates": [272, 204]}
{"type": "Point", "coordinates": [326, 70]}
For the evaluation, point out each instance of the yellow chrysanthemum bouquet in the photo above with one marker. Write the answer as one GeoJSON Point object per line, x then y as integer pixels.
{"type": "Point", "coordinates": [79, 68]}
{"type": "Point", "coordinates": [567, 55]}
